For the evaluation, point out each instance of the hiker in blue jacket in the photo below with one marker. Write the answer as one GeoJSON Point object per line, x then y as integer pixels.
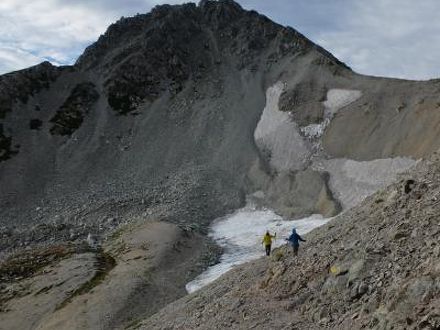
{"type": "Point", "coordinates": [293, 240]}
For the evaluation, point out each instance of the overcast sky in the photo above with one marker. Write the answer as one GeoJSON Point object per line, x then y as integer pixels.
{"type": "Point", "coordinates": [395, 38]}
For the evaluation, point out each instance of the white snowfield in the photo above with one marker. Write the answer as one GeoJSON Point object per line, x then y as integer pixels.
{"type": "Point", "coordinates": [351, 181]}
{"type": "Point", "coordinates": [240, 235]}
{"type": "Point", "coordinates": [315, 131]}
{"type": "Point", "coordinates": [339, 98]}
{"type": "Point", "coordinates": [336, 100]}
{"type": "Point", "coordinates": [278, 135]}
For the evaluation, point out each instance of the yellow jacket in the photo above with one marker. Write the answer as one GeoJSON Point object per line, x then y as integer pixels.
{"type": "Point", "coordinates": [267, 239]}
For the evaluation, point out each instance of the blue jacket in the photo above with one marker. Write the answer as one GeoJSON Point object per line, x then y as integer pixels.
{"type": "Point", "coordinates": [294, 238]}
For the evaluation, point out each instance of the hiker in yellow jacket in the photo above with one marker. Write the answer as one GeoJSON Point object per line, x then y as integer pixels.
{"type": "Point", "coordinates": [267, 241]}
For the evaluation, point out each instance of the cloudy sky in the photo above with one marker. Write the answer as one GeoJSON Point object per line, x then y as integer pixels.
{"type": "Point", "coordinates": [396, 38]}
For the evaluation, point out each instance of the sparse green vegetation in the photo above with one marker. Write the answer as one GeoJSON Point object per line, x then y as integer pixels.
{"type": "Point", "coordinates": [35, 124]}
{"type": "Point", "coordinates": [71, 114]}
{"type": "Point", "coordinates": [6, 149]}
{"type": "Point", "coordinates": [134, 324]}
{"type": "Point", "coordinates": [19, 86]}
{"type": "Point", "coordinates": [117, 233]}
{"type": "Point", "coordinates": [121, 103]}
{"type": "Point", "coordinates": [28, 263]}
{"type": "Point", "coordinates": [105, 263]}
{"type": "Point", "coordinates": [278, 255]}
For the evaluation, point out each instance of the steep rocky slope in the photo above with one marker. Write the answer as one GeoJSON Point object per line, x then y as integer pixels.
{"type": "Point", "coordinates": [376, 266]}
{"type": "Point", "coordinates": [181, 104]}
{"type": "Point", "coordinates": [179, 114]}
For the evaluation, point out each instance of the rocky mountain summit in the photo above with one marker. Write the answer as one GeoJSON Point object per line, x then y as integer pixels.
{"type": "Point", "coordinates": [169, 121]}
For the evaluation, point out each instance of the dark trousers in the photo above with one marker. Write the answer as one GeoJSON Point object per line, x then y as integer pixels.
{"type": "Point", "coordinates": [268, 247]}
{"type": "Point", "coordinates": [295, 249]}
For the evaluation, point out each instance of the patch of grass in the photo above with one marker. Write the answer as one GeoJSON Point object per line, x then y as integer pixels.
{"type": "Point", "coordinates": [43, 290]}
{"type": "Point", "coordinates": [117, 234]}
{"type": "Point", "coordinates": [134, 324]}
{"type": "Point", "coordinates": [105, 263]}
{"type": "Point", "coordinates": [35, 124]}
{"type": "Point", "coordinates": [121, 103]}
{"type": "Point", "coordinates": [3, 111]}
{"type": "Point", "coordinates": [118, 248]}
{"type": "Point", "coordinates": [148, 276]}
{"type": "Point", "coordinates": [28, 263]}
{"type": "Point", "coordinates": [278, 255]}
{"type": "Point", "coordinates": [116, 244]}
{"type": "Point", "coordinates": [6, 149]}
{"type": "Point", "coordinates": [71, 114]}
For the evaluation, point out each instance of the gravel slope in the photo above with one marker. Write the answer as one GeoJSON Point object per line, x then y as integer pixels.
{"type": "Point", "coordinates": [376, 266]}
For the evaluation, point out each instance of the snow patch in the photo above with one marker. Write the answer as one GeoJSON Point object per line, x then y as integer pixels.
{"type": "Point", "coordinates": [352, 181]}
{"type": "Point", "coordinates": [277, 135]}
{"type": "Point", "coordinates": [315, 131]}
{"type": "Point", "coordinates": [339, 98]}
{"type": "Point", "coordinates": [240, 235]}
{"type": "Point", "coordinates": [336, 99]}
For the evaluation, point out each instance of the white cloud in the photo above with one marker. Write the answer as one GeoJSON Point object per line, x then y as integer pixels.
{"type": "Point", "coordinates": [33, 31]}
{"type": "Point", "coordinates": [397, 38]}
{"type": "Point", "coordinates": [44, 29]}
{"type": "Point", "coordinates": [57, 30]}
{"type": "Point", "coordinates": [388, 37]}
{"type": "Point", "coordinates": [15, 58]}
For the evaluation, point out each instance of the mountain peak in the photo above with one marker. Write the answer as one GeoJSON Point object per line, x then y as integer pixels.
{"type": "Point", "coordinates": [188, 20]}
{"type": "Point", "coordinates": [204, 4]}
{"type": "Point", "coordinates": [145, 55]}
